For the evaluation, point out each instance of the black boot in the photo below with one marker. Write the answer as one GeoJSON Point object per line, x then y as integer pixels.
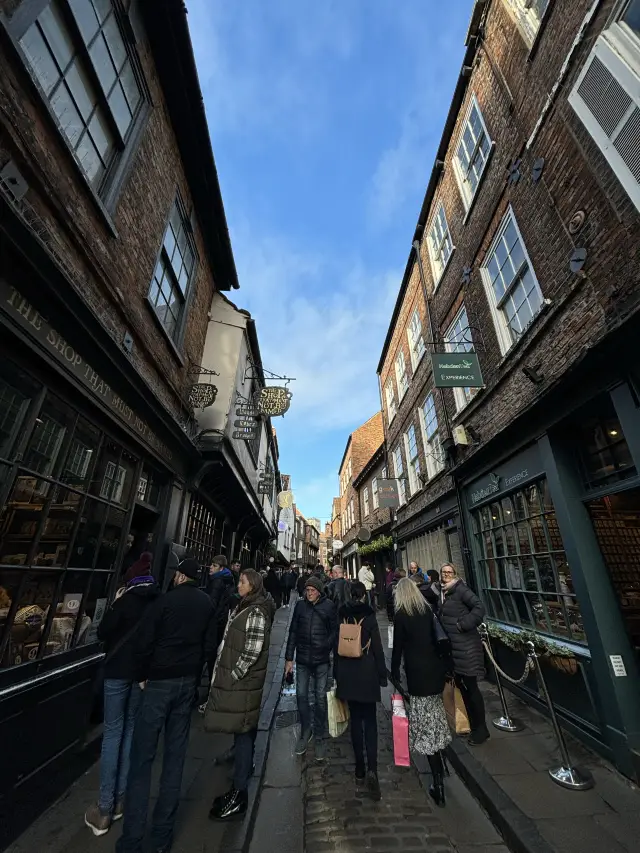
{"type": "Point", "coordinates": [373, 785]}
{"type": "Point", "coordinates": [479, 736]}
{"type": "Point", "coordinates": [436, 790]}
{"type": "Point", "coordinates": [230, 806]}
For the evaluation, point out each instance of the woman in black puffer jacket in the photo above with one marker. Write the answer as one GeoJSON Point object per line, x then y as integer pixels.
{"type": "Point", "coordinates": [461, 611]}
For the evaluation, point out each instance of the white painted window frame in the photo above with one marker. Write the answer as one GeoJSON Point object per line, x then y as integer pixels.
{"type": "Point", "coordinates": [434, 457]}
{"type": "Point", "coordinates": [398, 471]}
{"type": "Point", "coordinates": [401, 375]}
{"type": "Point", "coordinates": [466, 195]}
{"type": "Point", "coordinates": [390, 396]}
{"type": "Point", "coordinates": [437, 267]}
{"type": "Point", "coordinates": [415, 336]}
{"type": "Point", "coordinates": [459, 393]}
{"type": "Point", "coordinates": [413, 463]}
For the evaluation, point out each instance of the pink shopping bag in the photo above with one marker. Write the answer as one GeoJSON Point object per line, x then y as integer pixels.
{"type": "Point", "coordinates": [400, 723]}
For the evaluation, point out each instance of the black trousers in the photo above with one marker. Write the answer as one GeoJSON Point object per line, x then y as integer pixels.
{"type": "Point", "coordinates": [473, 702]}
{"type": "Point", "coordinates": [364, 735]}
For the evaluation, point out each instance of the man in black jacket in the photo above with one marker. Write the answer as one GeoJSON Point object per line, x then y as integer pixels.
{"type": "Point", "coordinates": [177, 635]}
{"type": "Point", "coordinates": [339, 590]}
{"type": "Point", "coordinates": [312, 635]}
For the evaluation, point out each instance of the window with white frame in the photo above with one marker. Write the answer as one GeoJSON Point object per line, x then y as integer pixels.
{"type": "Point", "coordinates": [401, 375]}
{"type": "Point", "coordinates": [365, 501]}
{"type": "Point", "coordinates": [171, 281]}
{"type": "Point", "coordinates": [391, 400]}
{"type": "Point", "coordinates": [398, 468]}
{"type": "Point", "coordinates": [528, 15]}
{"type": "Point", "coordinates": [113, 482]}
{"type": "Point", "coordinates": [510, 283]}
{"type": "Point", "coordinates": [472, 154]}
{"type": "Point", "coordinates": [458, 339]}
{"type": "Point", "coordinates": [374, 493]}
{"type": "Point", "coordinates": [413, 460]}
{"type": "Point", "coordinates": [416, 339]}
{"type": "Point", "coordinates": [352, 517]}
{"type": "Point", "coordinates": [433, 452]}
{"type": "Point", "coordinates": [86, 73]}
{"type": "Point", "coordinates": [440, 244]}
{"type": "Point", "coordinates": [606, 97]}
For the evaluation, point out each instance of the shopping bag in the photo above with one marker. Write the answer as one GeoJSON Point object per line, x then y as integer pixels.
{"type": "Point", "coordinates": [400, 725]}
{"type": "Point", "coordinates": [338, 712]}
{"type": "Point", "coordinates": [455, 709]}
{"type": "Point", "coordinates": [390, 637]}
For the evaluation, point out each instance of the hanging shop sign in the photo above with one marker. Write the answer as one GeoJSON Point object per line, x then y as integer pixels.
{"type": "Point", "coordinates": [264, 489]}
{"type": "Point", "coordinates": [388, 494]}
{"type": "Point", "coordinates": [338, 544]}
{"type": "Point", "coordinates": [273, 401]}
{"type": "Point", "coordinates": [34, 324]}
{"type": "Point", "coordinates": [285, 499]}
{"type": "Point", "coordinates": [246, 433]}
{"type": "Point", "coordinates": [246, 410]}
{"type": "Point", "coordinates": [456, 370]}
{"type": "Point", "coordinates": [245, 423]}
{"type": "Point", "coordinates": [202, 395]}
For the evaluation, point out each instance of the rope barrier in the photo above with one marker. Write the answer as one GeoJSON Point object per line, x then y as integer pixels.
{"type": "Point", "coordinates": [528, 667]}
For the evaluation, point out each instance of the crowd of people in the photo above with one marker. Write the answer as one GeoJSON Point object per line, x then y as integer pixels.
{"type": "Point", "coordinates": [158, 645]}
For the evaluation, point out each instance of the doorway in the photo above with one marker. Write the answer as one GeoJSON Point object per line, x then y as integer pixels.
{"type": "Point", "coordinates": [616, 521]}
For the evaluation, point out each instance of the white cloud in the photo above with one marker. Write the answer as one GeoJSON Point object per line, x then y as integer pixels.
{"type": "Point", "coordinates": [321, 321]}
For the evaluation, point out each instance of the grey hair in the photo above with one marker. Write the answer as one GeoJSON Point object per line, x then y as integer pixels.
{"type": "Point", "coordinates": [338, 569]}
{"type": "Point", "coordinates": [408, 597]}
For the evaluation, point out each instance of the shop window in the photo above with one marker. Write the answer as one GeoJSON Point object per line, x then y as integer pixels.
{"type": "Point", "coordinates": [13, 405]}
{"type": "Point", "coordinates": [511, 286]}
{"type": "Point", "coordinates": [524, 570]}
{"type": "Point", "coordinates": [440, 244]}
{"type": "Point", "coordinates": [472, 154]}
{"type": "Point", "coordinates": [458, 338]}
{"type": "Point", "coordinates": [202, 536]}
{"type": "Point", "coordinates": [603, 451]}
{"type": "Point", "coordinates": [171, 282]}
{"type": "Point", "coordinates": [80, 59]}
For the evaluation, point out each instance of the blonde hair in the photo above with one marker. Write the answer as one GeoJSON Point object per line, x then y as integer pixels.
{"type": "Point", "coordinates": [408, 597]}
{"type": "Point", "coordinates": [449, 566]}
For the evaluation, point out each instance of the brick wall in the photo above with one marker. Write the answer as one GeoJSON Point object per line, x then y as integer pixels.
{"type": "Point", "coordinates": [511, 87]}
{"type": "Point", "coordinates": [114, 272]}
{"type": "Point", "coordinates": [365, 441]}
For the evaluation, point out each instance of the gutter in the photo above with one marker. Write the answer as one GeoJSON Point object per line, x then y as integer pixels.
{"type": "Point", "coordinates": [472, 42]}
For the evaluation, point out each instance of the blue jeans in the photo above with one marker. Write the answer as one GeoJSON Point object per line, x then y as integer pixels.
{"type": "Point", "coordinates": [121, 703]}
{"type": "Point", "coordinates": [165, 704]}
{"type": "Point", "coordinates": [320, 676]}
{"type": "Point", "coordinates": [243, 759]}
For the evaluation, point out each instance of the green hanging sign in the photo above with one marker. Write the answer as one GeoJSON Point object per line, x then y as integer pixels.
{"type": "Point", "coordinates": [456, 370]}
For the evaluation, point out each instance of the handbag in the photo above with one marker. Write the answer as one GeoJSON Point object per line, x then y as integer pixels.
{"type": "Point", "coordinates": [455, 709]}
{"type": "Point", "coordinates": [400, 726]}
{"type": "Point", "coordinates": [440, 637]}
{"type": "Point", "coordinates": [350, 640]}
{"type": "Point", "coordinates": [338, 714]}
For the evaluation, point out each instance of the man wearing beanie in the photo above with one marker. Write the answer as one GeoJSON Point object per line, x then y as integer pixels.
{"type": "Point", "coordinates": [313, 632]}
{"type": "Point", "coordinates": [178, 634]}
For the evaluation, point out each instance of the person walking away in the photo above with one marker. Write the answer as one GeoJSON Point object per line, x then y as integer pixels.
{"type": "Point", "coordinates": [289, 580]}
{"type": "Point", "coordinates": [302, 580]}
{"type": "Point", "coordinates": [312, 635]}
{"type": "Point", "coordinates": [272, 586]}
{"type": "Point", "coordinates": [414, 640]}
{"type": "Point", "coordinates": [358, 682]}
{"type": "Point", "coordinates": [366, 577]}
{"type": "Point", "coordinates": [176, 636]}
{"type": "Point", "coordinates": [414, 569]}
{"type": "Point", "coordinates": [398, 575]}
{"type": "Point", "coordinates": [234, 702]}
{"type": "Point", "coordinates": [338, 590]}
{"type": "Point", "coordinates": [388, 575]}
{"type": "Point", "coordinates": [461, 612]}
{"type": "Point", "coordinates": [122, 694]}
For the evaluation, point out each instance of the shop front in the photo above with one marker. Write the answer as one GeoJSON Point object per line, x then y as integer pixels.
{"type": "Point", "coordinates": [554, 532]}
{"type": "Point", "coordinates": [432, 537]}
{"type": "Point", "coordinates": [86, 485]}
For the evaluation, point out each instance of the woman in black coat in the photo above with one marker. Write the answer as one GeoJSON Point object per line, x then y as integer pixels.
{"type": "Point", "coordinates": [359, 681]}
{"type": "Point", "coordinates": [413, 639]}
{"type": "Point", "coordinates": [461, 611]}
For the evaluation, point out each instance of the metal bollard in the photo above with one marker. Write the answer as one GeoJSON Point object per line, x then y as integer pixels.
{"type": "Point", "coordinates": [506, 723]}
{"type": "Point", "coordinates": [568, 776]}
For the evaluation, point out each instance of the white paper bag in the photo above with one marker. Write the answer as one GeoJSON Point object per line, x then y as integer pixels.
{"type": "Point", "coordinates": [390, 637]}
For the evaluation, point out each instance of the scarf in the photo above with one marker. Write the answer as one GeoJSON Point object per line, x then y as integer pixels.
{"type": "Point", "coordinates": [447, 587]}
{"type": "Point", "coordinates": [142, 580]}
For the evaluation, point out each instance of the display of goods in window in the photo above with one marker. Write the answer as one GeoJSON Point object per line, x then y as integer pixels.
{"type": "Point", "coordinates": [273, 401]}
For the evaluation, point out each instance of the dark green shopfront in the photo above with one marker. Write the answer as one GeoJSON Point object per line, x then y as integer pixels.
{"type": "Point", "coordinates": [552, 520]}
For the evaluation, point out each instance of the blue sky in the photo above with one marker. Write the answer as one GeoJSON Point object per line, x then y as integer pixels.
{"type": "Point", "coordinates": [325, 118]}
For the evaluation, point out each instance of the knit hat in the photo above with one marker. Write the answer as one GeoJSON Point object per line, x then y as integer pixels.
{"type": "Point", "coordinates": [140, 568]}
{"type": "Point", "coordinates": [190, 567]}
{"type": "Point", "coordinates": [316, 583]}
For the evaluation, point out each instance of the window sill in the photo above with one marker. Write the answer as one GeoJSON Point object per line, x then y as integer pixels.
{"type": "Point", "coordinates": [436, 283]}
{"type": "Point", "coordinates": [472, 201]}
{"type": "Point", "coordinates": [175, 352]}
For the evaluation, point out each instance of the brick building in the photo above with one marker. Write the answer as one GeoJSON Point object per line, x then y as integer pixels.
{"type": "Point", "coordinates": [113, 248]}
{"type": "Point", "coordinates": [361, 444]}
{"type": "Point", "coordinates": [527, 248]}
{"type": "Point", "coordinates": [378, 520]}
